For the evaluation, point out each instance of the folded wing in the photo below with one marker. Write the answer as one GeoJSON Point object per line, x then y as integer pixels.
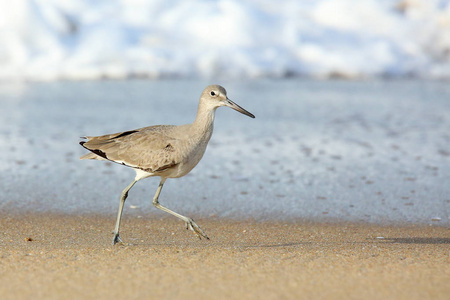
{"type": "Point", "coordinates": [150, 149]}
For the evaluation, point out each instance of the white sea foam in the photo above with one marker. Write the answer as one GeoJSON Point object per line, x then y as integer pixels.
{"type": "Point", "coordinates": [81, 39]}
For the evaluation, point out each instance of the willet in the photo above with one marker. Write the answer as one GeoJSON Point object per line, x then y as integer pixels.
{"type": "Point", "coordinates": [167, 151]}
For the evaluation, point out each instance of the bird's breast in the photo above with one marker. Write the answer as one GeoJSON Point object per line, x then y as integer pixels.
{"type": "Point", "coordinates": [193, 153]}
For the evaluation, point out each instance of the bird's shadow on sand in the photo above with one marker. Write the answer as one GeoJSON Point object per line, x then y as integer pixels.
{"type": "Point", "coordinates": [228, 244]}
{"type": "Point", "coordinates": [277, 245]}
{"type": "Point", "coordinates": [418, 240]}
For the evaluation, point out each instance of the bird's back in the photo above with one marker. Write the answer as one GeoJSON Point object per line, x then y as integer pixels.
{"type": "Point", "coordinates": [166, 150]}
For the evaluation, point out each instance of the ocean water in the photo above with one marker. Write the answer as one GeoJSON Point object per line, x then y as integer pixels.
{"type": "Point", "coordinates": [372, 151]}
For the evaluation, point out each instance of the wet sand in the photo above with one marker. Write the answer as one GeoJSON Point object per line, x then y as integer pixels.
{"type": "Point", "coordinates": [70, 257]}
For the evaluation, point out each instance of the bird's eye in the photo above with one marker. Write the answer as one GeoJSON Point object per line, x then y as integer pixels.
{"type": "Point", "coordinates": [212, 93]}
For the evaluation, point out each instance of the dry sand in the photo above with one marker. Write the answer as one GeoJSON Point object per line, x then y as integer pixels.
{"type": "Point", "coordinates": [70, 257]}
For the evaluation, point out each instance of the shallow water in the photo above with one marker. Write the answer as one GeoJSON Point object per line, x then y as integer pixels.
{"type": "Point", "coordinates": [375, 151]}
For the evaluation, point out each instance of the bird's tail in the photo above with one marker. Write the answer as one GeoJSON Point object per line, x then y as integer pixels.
{"type": "Point", "coordinates": [90, 155]}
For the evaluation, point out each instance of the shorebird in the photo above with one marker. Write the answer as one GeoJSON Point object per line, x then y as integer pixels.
{"type": "Point", "coordinates": [167, 151]}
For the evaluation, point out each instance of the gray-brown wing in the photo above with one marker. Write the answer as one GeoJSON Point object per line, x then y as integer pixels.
{"type": "Point", "coordinates": [151, 149]}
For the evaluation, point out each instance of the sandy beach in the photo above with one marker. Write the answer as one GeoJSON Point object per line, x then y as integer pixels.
{"type": "Point", "coordinates": [64, 256]}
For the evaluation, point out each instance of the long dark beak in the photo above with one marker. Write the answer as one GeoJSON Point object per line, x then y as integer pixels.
{"type": "Point", "coordinates": [234, 106]}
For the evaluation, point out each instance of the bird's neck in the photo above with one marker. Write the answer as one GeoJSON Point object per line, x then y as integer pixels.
{"type": "Point", "coordinates": [204, 122]}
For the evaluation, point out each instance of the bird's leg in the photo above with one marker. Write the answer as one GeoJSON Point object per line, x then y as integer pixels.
{"type": "Point", "coordinates": [116, 238]}
{"type": "Point", "coordinates": [190, 224]}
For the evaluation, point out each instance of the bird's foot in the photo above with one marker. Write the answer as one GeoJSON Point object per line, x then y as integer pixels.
{"type": "Point", "coordinates": [117, 239]}
{"type": "Point", "coordinates": [190, 224]}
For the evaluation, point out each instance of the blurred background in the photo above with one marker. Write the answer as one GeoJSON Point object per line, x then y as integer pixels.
{"type": "Point", "coordinates": [44, 40]}
{"type": "Point", "coordinates": [351, 97]}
